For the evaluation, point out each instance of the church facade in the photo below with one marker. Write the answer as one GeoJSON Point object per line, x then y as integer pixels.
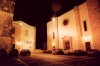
{"type": "Point", "coordinates": [78, 28]}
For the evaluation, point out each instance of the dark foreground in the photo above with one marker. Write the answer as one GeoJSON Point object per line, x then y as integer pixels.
{"type": "Point", "coordinates": [50, 60]}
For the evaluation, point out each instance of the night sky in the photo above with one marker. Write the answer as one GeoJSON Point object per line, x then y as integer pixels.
{"type": "Point", "coordinates": [39, 12]}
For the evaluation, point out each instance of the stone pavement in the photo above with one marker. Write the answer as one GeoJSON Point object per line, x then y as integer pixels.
{"type": "Point", "coordinates": [10, 62]}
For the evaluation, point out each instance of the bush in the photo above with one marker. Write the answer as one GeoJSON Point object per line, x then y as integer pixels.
{"type": "Point", "coordinates": [3, 53]}
{"type": "Point", "coordinates": [14, 53]}
{"type": "Point", "coordinates": [93, 52]}
{"type": "Point", "coordinates": [80, 52]}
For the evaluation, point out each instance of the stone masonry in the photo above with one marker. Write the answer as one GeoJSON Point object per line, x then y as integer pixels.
{"type": "Point", "coordinates": [93, 7]}
{"type": "Point", "coordinates": [6, 18]}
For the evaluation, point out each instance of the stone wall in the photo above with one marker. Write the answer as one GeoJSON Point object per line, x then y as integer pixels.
{"type": "Point", "coordinates": [94, 16]}
{"type": "Point", "coordinates": [6, 18]}
{"type": "Point", "coordinates": [7, 6]}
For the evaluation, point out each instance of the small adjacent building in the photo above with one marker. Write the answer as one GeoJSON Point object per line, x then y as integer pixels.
{"type": "Point", "coordinates": [78, 28]}
{"type": "Point", "coordinates": [23, 36]}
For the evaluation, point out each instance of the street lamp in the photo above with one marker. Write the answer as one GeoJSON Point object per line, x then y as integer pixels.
{"type": "Point", "coordinates": [53, 19]}
{"type": "Point", "coordinates": [87, 38]}
{"type": "Point", "coordinates": [53, 45]}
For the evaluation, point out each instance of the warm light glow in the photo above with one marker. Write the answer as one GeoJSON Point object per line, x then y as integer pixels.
{"type": "Point", "coordinates": [18, 43]}
{"type": "Point", "coordinates": [53, 44]}
{"type": "Point", "coordinates": [87, 38]}
{"type": "Point", "coordinates": [20, 23]}
{"type": "Point", "coordinates": [53, 19]}
{"type": "Point", "coordinates": [26, 41]}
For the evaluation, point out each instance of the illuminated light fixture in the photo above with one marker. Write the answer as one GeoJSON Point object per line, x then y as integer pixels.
{"type": "Point", "coordinates": [54, 18]}
{"type": "Point", "coordinates": [20, 23]}
{"type": "Point", "coordinates": [87, 38]}
{"type": "Point", "coordinates": [53, 44]}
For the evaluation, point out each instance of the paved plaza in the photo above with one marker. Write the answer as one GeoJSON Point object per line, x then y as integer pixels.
{"type": "Point", "coordinates": [50, 60]}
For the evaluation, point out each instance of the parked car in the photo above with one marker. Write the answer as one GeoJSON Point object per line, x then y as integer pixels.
{"type": "Point", "coordinates": [68, 52]}
{"type": "Point", "coordinates": [25, 52]}
{"type": "Point", "coordinates": [14, 53]}
{"type": "Point", "coordinates": [3, 53]}
{"type": "Point", "coordinates": [58, 51]}
{"type": "Point", "coordinates": [65, 52]}
{"type": "Point", "coordinates": [80, 52]}
{"type": "Point", "coordinates": [93, 52]}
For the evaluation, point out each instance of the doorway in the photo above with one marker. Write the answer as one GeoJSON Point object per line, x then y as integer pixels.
{"type": "Point", "coordinates": [88, 45]}
{"type": "Point", "coordinates": [66, 44]}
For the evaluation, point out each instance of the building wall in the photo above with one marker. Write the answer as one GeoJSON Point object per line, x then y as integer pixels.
{"type": "Point", "coordinates": [17, 34]}
{"type": "Point", "coordinates": [84, 16]}
{"type": "Point", "coordinates": [6, 18]}
{"type": "Point", "coordinates": [94, 17]}
{"type": "Point", "coordinates": [49, 34]}
{"type": "Point", "coordinates": [89, 13]}
{"type": "Point", "coordinates": [29, 39]}
{"type": "Point", "coordinates": [69, 30]}
{"type": "Point", "coordinates": [61, 31]}
{"type": "Point", "coordinates": [25, 36]}
{"type": "Point", "coordinates": [5, 29]}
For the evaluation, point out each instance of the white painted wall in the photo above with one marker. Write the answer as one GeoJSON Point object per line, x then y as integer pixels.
{"type": "Point", "coordinates": [68, 30]}
{"type": "Point", "coordinates": [83, 13]}
{"type": "Point", "coordinates": [23, 41]}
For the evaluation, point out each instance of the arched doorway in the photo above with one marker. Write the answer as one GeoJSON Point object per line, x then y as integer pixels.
{"type": "Point", "coordinates": [67, 43]}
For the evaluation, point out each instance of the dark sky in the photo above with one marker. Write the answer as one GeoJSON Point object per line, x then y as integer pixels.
{"type": "Point", "coordinates": [39, 12]}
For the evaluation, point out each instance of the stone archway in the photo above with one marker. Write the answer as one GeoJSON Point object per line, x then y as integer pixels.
{"type": "Point", "coordinates": [67, 42]}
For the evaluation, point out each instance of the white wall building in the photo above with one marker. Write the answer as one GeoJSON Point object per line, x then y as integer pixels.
{"type": "Point", "coordinates": [78, 28]}
{"type": "Point", "coordinates": [23, 36]}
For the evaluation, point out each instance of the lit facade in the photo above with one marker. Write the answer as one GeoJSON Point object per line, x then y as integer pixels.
{"type": "Point", "coordinates": [78, 28]}
{"type": "Point", "coordinates": [23, 36]}
{"type": "Point", "coordinates": [6, 18]}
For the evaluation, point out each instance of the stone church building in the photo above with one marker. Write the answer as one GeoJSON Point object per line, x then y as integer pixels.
{"type": "Point", "coordinates": [78, 28]}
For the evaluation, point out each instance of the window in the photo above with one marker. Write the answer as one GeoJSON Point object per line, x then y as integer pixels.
{"type": "Point", "coordinates": [26, 32]}
{"type": "Point", "coordinates": [53, 35]}
{"type": "Point", "coordinates": [85, 25]}
{"type": "Point", "coordinates": [13, 30]}
{"type": "Point", "coordinates": [65, 22]}
{"type": "Point", "coordinates": [88, 45]}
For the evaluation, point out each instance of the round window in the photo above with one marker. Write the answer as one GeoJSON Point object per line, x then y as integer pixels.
{"type": "Point", "coordinates": [65, 22]}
